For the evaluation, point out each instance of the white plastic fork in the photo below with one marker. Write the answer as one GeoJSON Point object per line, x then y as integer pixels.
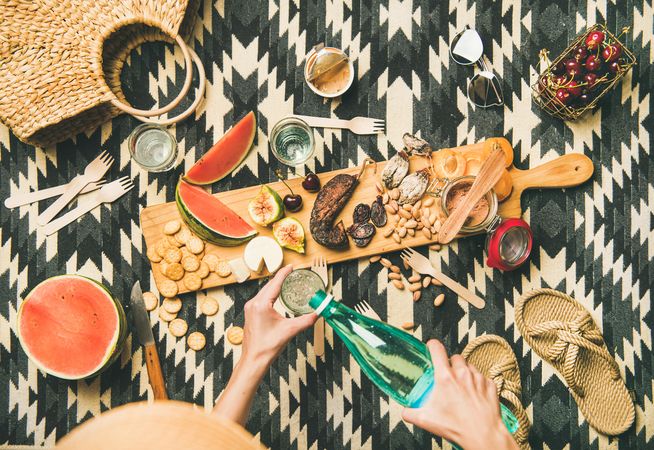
{"type": "Point", "coordinates": [320, 267]}
{"type": "Point", "coordinates": [364, 308]}
{"type": "Point", "coordinates": [108, 193]}
{"type": "Point", "coordinates": [25, 198]}
{"type": "Point", "coordinates": [358, 125]}
{"type": "Point", "coordinates": [93, 172]}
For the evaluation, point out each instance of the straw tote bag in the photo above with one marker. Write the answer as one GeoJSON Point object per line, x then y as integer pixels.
{"type": "Point", "coordinates": [60, 62]}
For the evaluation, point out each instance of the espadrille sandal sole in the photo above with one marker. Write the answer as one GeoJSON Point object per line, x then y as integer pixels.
{"type": "Point", "coordinates": [562, 332]}
{"type": "Point", "coordinates": [494, 358]}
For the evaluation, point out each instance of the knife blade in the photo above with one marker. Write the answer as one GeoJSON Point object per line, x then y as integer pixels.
{"type": "Point", "coordinates": [143, 331]}
{"type": "Point", "coordinates": [140, 318]}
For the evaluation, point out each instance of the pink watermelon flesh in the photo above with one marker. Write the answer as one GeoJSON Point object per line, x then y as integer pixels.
{"type": "Point", "coordinates": [69, 326]}
{"type": "Point", "coordinates": [226, 154]}
{"type": "Point", "coordinates": [213, 213]}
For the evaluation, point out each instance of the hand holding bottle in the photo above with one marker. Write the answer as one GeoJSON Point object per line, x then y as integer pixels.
{"type": "Point", "coordinates": [463, 408]}
{"type": "Point", "coordinates": [266, 332]}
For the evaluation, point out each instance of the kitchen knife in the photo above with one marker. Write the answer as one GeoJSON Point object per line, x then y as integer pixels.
{"type": "Point", "coordinates": [143, 331]}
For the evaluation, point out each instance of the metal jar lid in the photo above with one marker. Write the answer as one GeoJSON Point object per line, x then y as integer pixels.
{"type": "Point", "coordinates": [508, 244]}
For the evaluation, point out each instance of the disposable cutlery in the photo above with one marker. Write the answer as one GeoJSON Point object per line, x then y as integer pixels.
{"type": "Point", "coordinates": [422, 265]}
{"type": "Point", "coordinates": [320, 267]}
{"type": "Point", "coordinates": [93, 172]}
{"type": "Point", "coordinates": [364, 308]}
{"type": "Point", "coordinates": [108, 193]}
{"type": "Point", "coordinates": [358, 125]}
{"type": "Point", "coordinates": [25, 198]}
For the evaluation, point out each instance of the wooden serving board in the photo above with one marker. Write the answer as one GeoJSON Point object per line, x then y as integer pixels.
{"type": "Point", "coordinates": [564, 171]}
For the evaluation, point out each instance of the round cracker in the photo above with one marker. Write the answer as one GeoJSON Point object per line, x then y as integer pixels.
{"type": "Point", "coordinates": [195, 245]}
{"type": "Point", "coordinates": [163, 266]}
{"type": "Point", "coordinates": [183, 235]}
{"type": "Point", "coordinates": [223, 269]}
{"type": "Point", "coordinates": [178, 327]}
{"type": "Point", "coordinates": [192, 281]}
{"type": "Point", "coordinates": [152, 255]}
{"type": "Point", "coordinates": [175, 271]}
{"type": "Point", "coordinates": [235, 335]}
{"type": "Point", "coordinates": [211, 260]}
{"type": "Point", "coordinates": [168, 288]}
{"type": "Point", "coordinates": [172, 242]}
{"type": "Point", "coordinates": [151, 300]}
{"type": "Point", "coordinates": [172, 305]}
{"type": "Point", "coordinates": [166, 316]}
{"type": "Point", "coordinates": [196, 341]}
{"type": "Point", "coordinates": [161, 247]}
{"type": "Point", "coordinates": [191, 263]}
{"type": "Point", "coordinates": [203, 270]}
{"type": "Point", "coordinates": [209, 306]}
{"type": "Point", "coordinates": [172, 227]}
{"type": "Point", "coordinates": [173, 255]}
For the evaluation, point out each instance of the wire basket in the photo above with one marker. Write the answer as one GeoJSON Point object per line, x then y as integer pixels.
{"type": "Point", "coordinates": [565, 93]}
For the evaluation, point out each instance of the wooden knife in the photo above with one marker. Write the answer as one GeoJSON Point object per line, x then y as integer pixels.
{"type": "Point", "coordinates": [143, 332]}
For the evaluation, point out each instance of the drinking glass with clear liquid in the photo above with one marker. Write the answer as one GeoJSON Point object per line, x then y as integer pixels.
{"type": "Point", "coordinates": [153, 147]}
{"type": "Point", "coordinates": [291, 141]}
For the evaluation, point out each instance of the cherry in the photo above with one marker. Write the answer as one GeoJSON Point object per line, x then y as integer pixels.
{"type": "Point", "coordinates": [594, 39]}
{"type": "Point", "coordinates": [563, 96]}
{"type": "Point", "coordinates": [615, 67]}
{"type": "Point", "coordinates": [560, 80]}
{"type": "Point", "coordinates": [574, 88]}
{"type": "Point", "coordinates": [611, 52]}
{"type": "Point", "coordinates": [311, 182]}
{"type": "Point", "coordinates": [559, 69]}
{"type": "Point", "coordinates": [593, 63]}
{"type": "Point", "coordinates": [580, 53]}
{"type": "Point", "coordinates": [293, 202]}
{"type": "Point", "coordinates": [590, 79]}
{"type": "Point", "coordinates": [585, 98]}
{"type": "Point", "coordinates": [573, 68]}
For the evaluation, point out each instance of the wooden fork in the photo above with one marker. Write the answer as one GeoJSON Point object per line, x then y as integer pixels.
{"type": "Point", "coordinates": [320, 267]}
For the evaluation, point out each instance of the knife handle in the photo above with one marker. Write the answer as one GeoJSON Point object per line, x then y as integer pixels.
{"type": "Point", "coordinates": [154, 372]}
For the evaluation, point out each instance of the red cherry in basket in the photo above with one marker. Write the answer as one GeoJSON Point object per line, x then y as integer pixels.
{"type": "Point", "coordinates": [563, 96]}
{"type": "Point", "coordinates": [615, 67]}
{"type": "Point", "coordinates": [593, 63]}
{"type": "Point", "coordinates": [611, 52]}
{"type": "Point", "coordinates": [560, 80]}
{"type": "Point", "coordinates": [574, 88]}
{"type": "Point", "coordinates": [594, 39]}
{"type": "Point", "coordinates": [559, 68]}
{"type": "Point", "coordinates": [580, 53]}
{"type": "Point", "coordinates": [573, 68]}
{"type": "Point", "coordinates": [590, 79]}
{"type": "Point", "coordinates": [585, 98]}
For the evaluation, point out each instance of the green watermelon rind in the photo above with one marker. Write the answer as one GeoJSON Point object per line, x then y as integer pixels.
{"type": "Point", "coordinates": [114, 350]}
{"type": "Point", "coordinates": [205, 232]}
{"type": "Point", "coordinates": [246, 150]}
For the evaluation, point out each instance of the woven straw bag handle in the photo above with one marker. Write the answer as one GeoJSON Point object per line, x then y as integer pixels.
{"type": "Point", "coordinates": [141, 114]}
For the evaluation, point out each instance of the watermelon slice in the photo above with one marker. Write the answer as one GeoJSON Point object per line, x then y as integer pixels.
{"type": "Point", "coordinates": [226, 154]}
{"type": "Point", "coordinates": [71, 327]}
{"type": "Point", "coordinates": [210, 218]}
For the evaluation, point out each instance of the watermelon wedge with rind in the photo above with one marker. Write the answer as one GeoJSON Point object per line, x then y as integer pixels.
{"type": "Point", "coordinates": [71, 327]}
{"type": "Point", "coordinates": [226, 154]}
{"type": "Point", "coordinates": [209, 218]}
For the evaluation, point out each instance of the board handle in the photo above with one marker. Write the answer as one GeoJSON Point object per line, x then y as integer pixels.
{"type": "Point", "coordinates": [564, 171]}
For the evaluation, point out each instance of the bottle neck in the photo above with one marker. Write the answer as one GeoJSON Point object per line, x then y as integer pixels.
{"type": "Point", "coordinates": [322, 309]}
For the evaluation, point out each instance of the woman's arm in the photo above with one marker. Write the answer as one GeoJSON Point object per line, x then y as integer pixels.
{"type": "Point", "coordinates": [265, 334]}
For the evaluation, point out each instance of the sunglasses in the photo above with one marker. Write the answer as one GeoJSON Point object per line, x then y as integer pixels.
{"type": "Point", "coordinates": [484, 88]}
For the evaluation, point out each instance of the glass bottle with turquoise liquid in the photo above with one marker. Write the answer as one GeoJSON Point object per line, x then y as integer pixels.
{"type": "Point", "coordinates": [398, 363]}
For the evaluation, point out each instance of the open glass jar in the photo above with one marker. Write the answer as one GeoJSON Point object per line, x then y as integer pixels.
{"type": "Point", "coordinates": [509, 241]}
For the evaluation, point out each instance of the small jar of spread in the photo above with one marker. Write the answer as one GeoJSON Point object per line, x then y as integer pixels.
{"type": "Point", "coordinates": [509, 241]}
{"type": "Point", "coordinates": [328, 71]}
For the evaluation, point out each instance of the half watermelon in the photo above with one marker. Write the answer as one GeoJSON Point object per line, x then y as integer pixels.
{"type": "Point", "coordinates": [226, 154]}
{"type": "Point", "coordinates": [71, 327]}
{"type": "Point", "coordinates": [210, 218]}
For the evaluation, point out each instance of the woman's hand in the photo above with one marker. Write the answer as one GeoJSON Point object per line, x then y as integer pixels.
{"type": "Point", "coordinates": [463, 407]}
{"type": "Point", "coordinates": [266, 332]}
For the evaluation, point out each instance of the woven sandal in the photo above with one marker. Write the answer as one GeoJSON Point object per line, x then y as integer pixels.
{"type": "Point", "coordinates": [494, 358]}
{"type": "Point", "coordinates": [562, 332]}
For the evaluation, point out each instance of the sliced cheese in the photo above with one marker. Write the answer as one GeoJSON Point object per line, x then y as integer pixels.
{"type": "Point", "coordinates": [239, 269]}
{"type": "Point", "coordinates": [263, 250]}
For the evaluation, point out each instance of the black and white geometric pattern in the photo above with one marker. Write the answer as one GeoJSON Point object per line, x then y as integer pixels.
{"type": "Point", "coordinates": [595, 242]}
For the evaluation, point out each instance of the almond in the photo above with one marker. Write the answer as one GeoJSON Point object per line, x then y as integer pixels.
{"type": "Point", "coordinates": [402, 232]}
{"type": "Point", "coordinates": [394, 205]}
{"type": "Point", "coordinates": [398, 284]}
{"type": "Point", "coordinates": [426, 282]}
{"type": "Point", "coordinates": [435, 247]}
{"type": "Point", "coordinates": [405, 263]}
{"type": "Point", "coordinates": [417, 205]}
{"type": "Point", "coordinates": [385, 262]}
{"type": "Point", "coordinates": [407, 207]}
{"type": "Point", "coordinates": [432, 218]}
{"type": "Point", "coordinates": [416, 215]}
{"type": "Point", "coordinates": [438, 301]}
{"type": "Point", "coordinates": [394, 193]}
{"type": "Point", "coordinates": [374, 259]}
{"type": "Point", "coordinates": [379, 187]}
{"type": "Point", "coordinates": [394, 276]}
{"type": "Point", "coordinates": [407, 325]}
{"type": "Point", "coordinates": [416, 295]}
{"type": "Point", "coordinates": [413, 278]}
{"type": "Point", "coordinates": [388, 232]}
{"type": "Point", "coordinates": [427, 232]}
{"type": "Point", "coordinates": [405, 214]}
{"type": "Point", "coordinates": [411, 232]}
{"type": "Point", "coordinates": [389, 209]}
{"type": "Point", "coordinates": [436, 282]}
{"type": "Point", "coordinates": [411, 223]}
{"type": "Point", "coordinates": [395, 269]}
{"type": "Point", "coordinates": [428, 202]}
{"type": "Point", "coordinates": [425, 221]}
{"type": "Point", "coordinates": [385, 198]}
{"type": "Point", "coordinates": [397, 238]}
{"type": "Point", "coordinates": [415, 287]}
